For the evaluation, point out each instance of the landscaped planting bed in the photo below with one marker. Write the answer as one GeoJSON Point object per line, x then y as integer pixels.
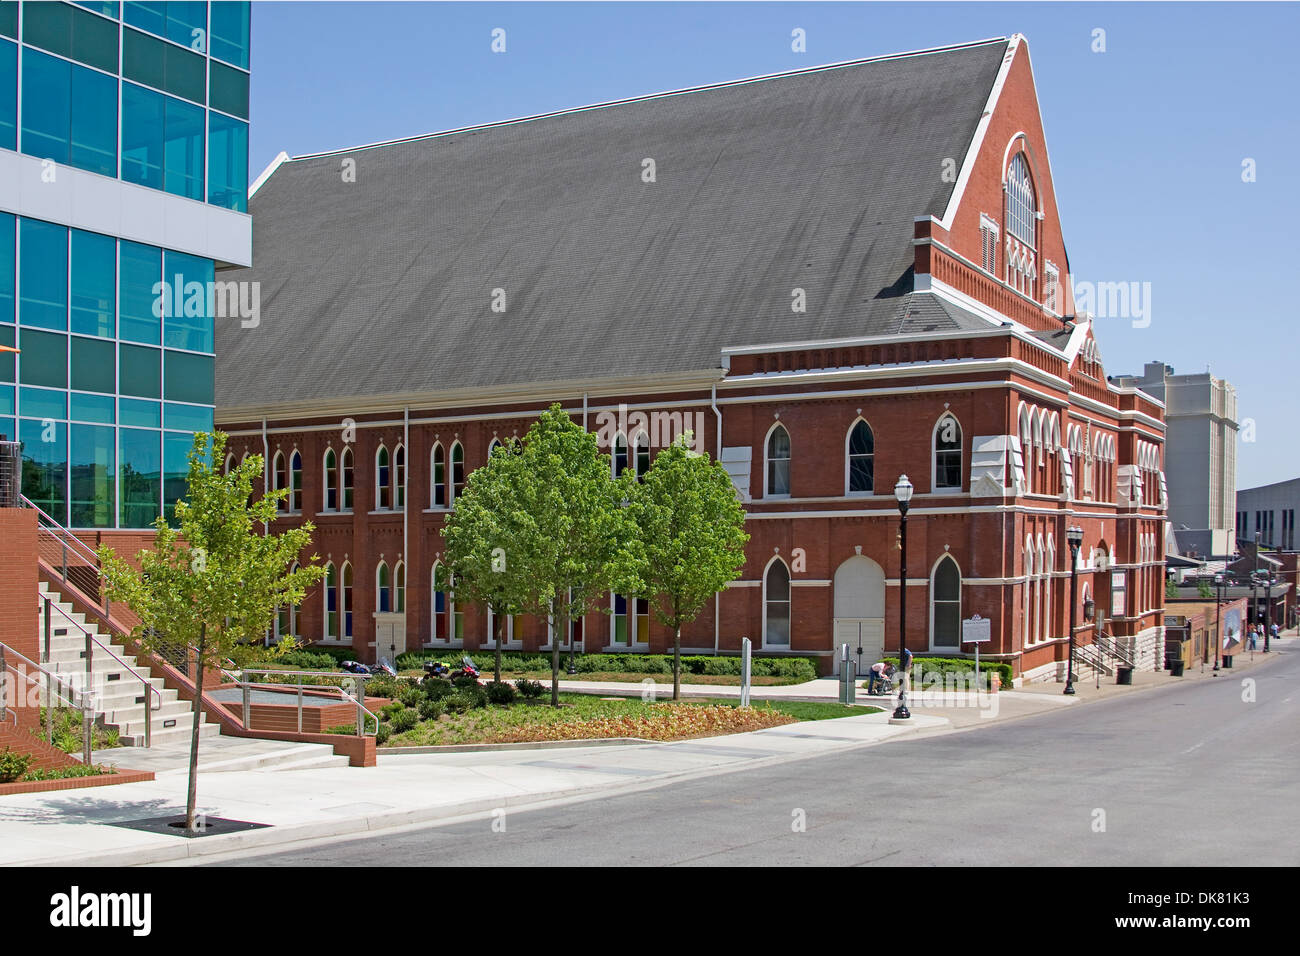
{"type": "Point", "coordinates": [433, 713]}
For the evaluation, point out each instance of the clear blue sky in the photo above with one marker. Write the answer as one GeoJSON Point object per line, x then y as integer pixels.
{"type": "Point", "coordinates": [1146, 139]}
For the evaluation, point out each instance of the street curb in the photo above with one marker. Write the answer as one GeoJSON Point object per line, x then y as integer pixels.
{"type": "Point", "coordinates": [521, 745]}
{"type": "Point", "coordinates": [274, 835]}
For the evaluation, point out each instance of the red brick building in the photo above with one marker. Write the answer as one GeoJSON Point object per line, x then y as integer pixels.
{"type": "Point", "coordinates": [832, 277]}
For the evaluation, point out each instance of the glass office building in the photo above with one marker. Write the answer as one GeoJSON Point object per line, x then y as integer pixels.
{"type": "Point", "coordinates": [123, 176]}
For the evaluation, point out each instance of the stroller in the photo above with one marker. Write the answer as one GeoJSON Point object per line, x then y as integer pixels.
{"type": "Point", "coordinates": [881, 684]}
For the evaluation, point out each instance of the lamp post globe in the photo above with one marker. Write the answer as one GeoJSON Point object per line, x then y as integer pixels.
{"type": "Point", "coordinates": [903, 492]}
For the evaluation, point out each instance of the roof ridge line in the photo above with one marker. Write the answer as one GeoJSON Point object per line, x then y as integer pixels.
{"type": "Point", "coordinates": [724, 84]}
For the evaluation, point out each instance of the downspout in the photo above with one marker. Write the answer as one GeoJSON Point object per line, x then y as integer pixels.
{"type": "Point", "coordinates": [406, 509]}
{"type": "Point", "coordinates": [717, 595]}
{"type": "Point", "coordinates": [266, 464]}
{"type": "Point", "coordinates": [584, 411]}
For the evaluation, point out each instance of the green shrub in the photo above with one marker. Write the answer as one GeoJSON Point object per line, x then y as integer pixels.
{"type": "Point", "coordinates": [499, 692]}
{"type": "Point", "coordinates": [436, 688]}
{"type": "Point", "coordinates": [382, 685]}
{"type": "Point", "coordinates": [465, 680]}
{"type": "Point", "coordinates": [389, 711]}
{"type": "Point", "coordinates": [404, 721]}
{"type": "Point", "coordinates": [382, 735]}
{"type": "Point", "coordinates": [13, 765]}
{"type": "Point", "coordinates": [412, 696]}
{"type": "Point", "coordinates": [432, 709]}
{"type": "Point", "coordinates": [530, 689]}
{"type": "Point", "coordinates": [345, 730]}
{"type": "Point", "coordinates": [957, 665]}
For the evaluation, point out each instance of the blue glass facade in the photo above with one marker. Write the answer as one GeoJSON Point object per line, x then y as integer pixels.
{"type": "Point", "coordinates": [182, 82]}
{"type": "Point", "coordinates": [114, 373]}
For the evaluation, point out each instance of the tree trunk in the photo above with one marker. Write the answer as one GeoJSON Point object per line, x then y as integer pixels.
{"type": "Point", "coordinates": [677, 664]}
{"type": "Point", "coordinates": [555, 659]}
{"type": "Point", "coordinates": [192, 797]}
{"type": "Point", "coordinates": [497, 620]}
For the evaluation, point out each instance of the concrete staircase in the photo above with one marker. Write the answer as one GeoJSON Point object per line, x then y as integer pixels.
{"type": "Point", "coordinates": [120, 697]}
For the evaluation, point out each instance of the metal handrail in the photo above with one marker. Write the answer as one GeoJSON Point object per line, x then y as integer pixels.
{"type": "Point", "coordinates": [54, 686]}
{"type": "Point", "coordinates": [149, 708]}
{"type": "Point", "coordinates": [1110, 646]}
{"type": "Point", "coordinates": [249, 686]}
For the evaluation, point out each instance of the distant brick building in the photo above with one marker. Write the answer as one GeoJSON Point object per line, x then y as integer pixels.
{"type": "Point", "coordinates": [833, 276]}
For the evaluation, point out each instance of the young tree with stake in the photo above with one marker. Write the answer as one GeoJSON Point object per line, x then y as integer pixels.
{"type": "Point", "coordinates": [573, 540]}
{"type": "Point", "coordinates": [480, 537]}
{"type": "Point", "coordinates": [692, 531]}
{"type": "Point", "coordinates": [213, 585]}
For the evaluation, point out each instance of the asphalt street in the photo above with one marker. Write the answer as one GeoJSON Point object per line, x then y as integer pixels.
{"type": "Point", "coordinates": [1204, 774]}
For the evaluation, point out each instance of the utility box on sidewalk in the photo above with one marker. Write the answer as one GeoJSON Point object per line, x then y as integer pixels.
{"type": "Point", "coordinates": [848, 678]}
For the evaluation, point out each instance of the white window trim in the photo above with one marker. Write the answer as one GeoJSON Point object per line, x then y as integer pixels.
{"type": "Point", "coordinates": [848, 460]}
{"type": "Point", "coordinates": [789, 603]}
{"type": "Point", "coordinates": [934, 569]}
{"type": "Point", "coordinates": [934, 456]}
{"type": "Point", "coordinates": [766, 440]}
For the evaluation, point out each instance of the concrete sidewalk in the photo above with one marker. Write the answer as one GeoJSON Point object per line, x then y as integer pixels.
{"type": "Point", "coordinates": [75, 827]}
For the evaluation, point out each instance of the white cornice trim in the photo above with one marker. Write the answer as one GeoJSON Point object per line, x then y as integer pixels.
{"type": "Point", "coordinates": [266, 173]}
{"type": "Point", "coordinates": [977, 141]}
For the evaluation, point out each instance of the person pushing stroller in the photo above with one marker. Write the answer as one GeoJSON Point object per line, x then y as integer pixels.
{"type": "Point", "coordinates": [879, 677]}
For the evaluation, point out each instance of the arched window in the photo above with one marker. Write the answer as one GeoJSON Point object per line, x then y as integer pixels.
{"type": "Point", "coordinates": [862, 458]}
{"type": "Point", "coordinates": [345, 600]}
{"type": "Point", "coordinates": [777, 470]}
{"type": "Point", "coordinates": [280, 480]}
{"type": "Point", "coordinates": [1028, 627]}
{"type": "Point", "coordinates": [492, 447]}
{"type": "Point", "coordinates": [620, 454]}
{"type": "Point", "coordinates": [345, 473]}
{"type": "Point", "coordinates": [286, 618]}
{"type": "Point", "coordinates": [641, 447]}
{"type": "Point", "coordinates": [438, 473]}
{"type": "Point", "coordinates": [399, 587]}
{"type": "Point", "coordinates": [228, 464]}
{"type": "Point", "coordinates": [776, 605]}
{"type": "Point", "coordinates": [295, 482]}
{"type": "Point", "coordinates": [331, 471]}
{"type": "Point", "coordinates": [1021, 209]}
{"type": "Point", "coordinates": [399, 478]}
{"type": "Point", "coordinates": [439, 632]}
{"type": "Point", "coordinates": [383, 593]}
{"type": "Point", "coordinates": [947, 453]}
{"type": "Point", "coordinates": [457, 472]}
{"type": "Point", "coordinates": [383, 480]}
{"type": "Point", "coordinates": [945, 604]}
{"type": "Point", "coordinates": [331, 602]}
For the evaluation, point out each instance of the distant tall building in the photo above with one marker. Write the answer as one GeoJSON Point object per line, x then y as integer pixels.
{"type": "Point", "coordinates": [1269, 510]}
{"type": "Point", "coordinates": [1200, 454]}
{"type": "Point", "coordinates": [123, 172]}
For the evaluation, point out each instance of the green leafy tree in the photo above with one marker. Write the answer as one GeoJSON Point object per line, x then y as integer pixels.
{"type": "Point", "coordinates": [571, 538]}
{"type": "Point", "coordinates": [480, 536]}
{"type": "Point", "coordinates": [692, 530]}
{"type": "Point", "coordinates": [213, 585]}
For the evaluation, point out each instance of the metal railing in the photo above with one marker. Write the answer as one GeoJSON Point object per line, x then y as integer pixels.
{"type": "Point", "coordinates": [55, 687]}
{"type": "Point", "coordinates": [90, 640]}
{"type": "Point", "coordinates": [75, 561]}
{"type": "Point", "coordinates": [299, 690]}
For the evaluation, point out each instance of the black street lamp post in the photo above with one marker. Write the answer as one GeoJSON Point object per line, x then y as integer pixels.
{"type": "Point", "coordinates": [1074, 536]}
{"type": "Point", "coordinates": [903, 492]}
{"type": "Point", "coordinates": [1218, 606]}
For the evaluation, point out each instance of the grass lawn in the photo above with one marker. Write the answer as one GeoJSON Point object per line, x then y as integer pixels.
{"type": "Point", "coordinates": [583, 716]}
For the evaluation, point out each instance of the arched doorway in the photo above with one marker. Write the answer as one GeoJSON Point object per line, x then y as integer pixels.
{"type": "Point", "coordinates": [860, 610]}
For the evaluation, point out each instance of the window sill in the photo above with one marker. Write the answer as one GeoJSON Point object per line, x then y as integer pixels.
{"type": "Point", "coordinates": [330, 514]}
{"type": "Point", "coordinates": [387, 511]}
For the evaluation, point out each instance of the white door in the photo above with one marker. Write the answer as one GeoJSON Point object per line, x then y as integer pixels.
{"type": "Point", "coordinates": [860, 611]}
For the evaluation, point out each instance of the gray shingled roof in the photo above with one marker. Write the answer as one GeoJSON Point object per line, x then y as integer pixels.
{"type": "Point", "coordinates": [808, 179]}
